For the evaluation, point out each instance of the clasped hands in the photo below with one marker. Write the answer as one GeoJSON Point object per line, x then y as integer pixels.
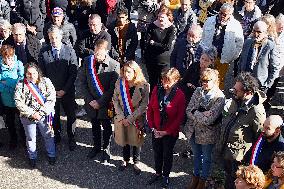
{"type": "Point", "coordinates": [159, 134]}
{"type": "Point", "coordinates": [94, 104]}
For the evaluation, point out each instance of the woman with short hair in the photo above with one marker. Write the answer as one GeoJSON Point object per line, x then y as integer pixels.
{"type": "Point", "coordinates": [275, 176]}
{"type": "Point", "coordinates": [249, 177]}
{"type": "Point", "coordinates": [130, 99]}
{"type": "Point", "coordinates": [204, 115]}
{"type": "Point", "coordinates": [35, 98]}
{"type": "Point", "coordinates": [165, 114]}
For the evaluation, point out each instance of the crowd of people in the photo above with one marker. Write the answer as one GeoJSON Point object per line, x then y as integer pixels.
{"type": "Point", "coordinates": [212, 68]}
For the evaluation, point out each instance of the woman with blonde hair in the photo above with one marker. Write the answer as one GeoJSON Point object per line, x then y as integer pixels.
{"type": "Point", "coordinates": [275, 176]}
{"type": "Point", "coordinates": [203, 124]}
{"type": "Point", "coordinates": [249, 177]}
{"type": "Point", "coordinates": [130, 100]}
{"type": "Point", "coordinates": [271, 26]}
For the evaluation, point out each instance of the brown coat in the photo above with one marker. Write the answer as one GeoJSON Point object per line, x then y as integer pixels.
{"type": "Point", "coordinates": [204, 126]}
{"type": "Point", "coordinates": [130, 135]}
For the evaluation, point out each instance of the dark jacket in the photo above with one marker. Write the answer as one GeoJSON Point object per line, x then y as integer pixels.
{"type": "Point", "coordinates": [130, 42]}
{"type": "Point", "coordinates": [5, 10]}
{"type": "Point", "coordinates": [107, 74]}
{"type": "Point", "coordinates": [32, 12]}
{"type": "Point", "coordinates": [69, 32]}
{"type": "Point", "coordinates": [183, 21]}
{"type": "Point", "coordinates": [267, 66]}
{"type": "Point", "coordinates": [86, 44]}
{"type": "Point", "coordinates": [62, 72]}
{"type": "Point", "coordinates": [32, 48]}
{"type": "Point", "coordinates": [179, 53]}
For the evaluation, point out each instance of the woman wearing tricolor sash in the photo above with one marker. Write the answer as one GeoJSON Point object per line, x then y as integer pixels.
{"type": "Point", "coordinates": [130, 100]}
{"type": "Point", "coordinates": [35, 98]}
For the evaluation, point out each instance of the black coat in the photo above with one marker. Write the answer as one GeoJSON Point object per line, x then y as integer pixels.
{"type": "Point", "coordinates": [108, 74]}
{"type": "Point", "coordinates": [86, 44]}
{"type": "Point", "coordinates": [32, 48]}
{"type": "Point", "coordinates": [32, 12]}
{"type": "Point", "coordinates": [130, 42]}
{"type": "Point", "coordinates": [5, 10]}
{"type": "Point", "coordinates": [62, 72]}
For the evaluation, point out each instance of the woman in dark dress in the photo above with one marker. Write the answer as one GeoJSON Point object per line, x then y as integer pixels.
{"type": "Point", "coordinates": [158, 45]}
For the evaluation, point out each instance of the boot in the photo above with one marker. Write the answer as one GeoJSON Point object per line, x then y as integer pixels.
{"type": "Point", "coordinates": [193, 183]}
{"type": "Point", "coordinates": [201, 184]}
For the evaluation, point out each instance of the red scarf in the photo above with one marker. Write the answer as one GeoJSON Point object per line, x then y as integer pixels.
{"type": "Point", "coordinates": [110, 5]}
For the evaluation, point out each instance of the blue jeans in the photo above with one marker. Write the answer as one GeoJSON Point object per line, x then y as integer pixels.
{"type": "Point", "coordinates": [201, 158]}
{"type": "Point", "coordinates": [46, 132]}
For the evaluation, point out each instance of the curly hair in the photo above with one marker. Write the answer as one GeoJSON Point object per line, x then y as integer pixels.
{"type": "Point", "coordinates": [7, 51]}
{"type": "Point", "coordinates": [280, 159]}
{"type": "Point", "coordinates": [138, 74]}
{"type": "Point", "coordinates": [171, 74]}
{"type": "Point", "coordinates": [249, 82]}
{"type": "Point", "coordinates": [165, 10]}
{"type": "Point", "coordinates": [252, 175]}
{"type": "Point", "coordinates": [210, 74]}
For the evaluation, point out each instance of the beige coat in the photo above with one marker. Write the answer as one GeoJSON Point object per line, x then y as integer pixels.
{"type": "Point", "coordinates": [130, 135]}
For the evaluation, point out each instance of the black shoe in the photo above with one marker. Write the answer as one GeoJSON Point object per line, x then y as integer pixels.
{"type": "Point", "coordinates": [165, 182]}
{"type": "Point", "coordinates": [32, 163]}
{"type": "Point", "coordinates": [186, 154]}
{"type": "Point", "coordinates": [51, 160]}
{"type": "Point", "coordinates": [72, 144]}
{"type": "Point", "coordinates": [123, 166]}
{"type": "Point", "coordinates": [105, 157]}
{"type": "Point", "coordinates": [154, 178]}
{"type": "Point", "coordinates": [136, 169]}
{"type": "Point", "coordinates": [93, 153]}
{"type": "Point", "coordinates": [57, 139]}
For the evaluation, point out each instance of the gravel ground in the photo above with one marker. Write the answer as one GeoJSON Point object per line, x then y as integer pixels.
{"type": "Point", "coordinates": [74, 170]}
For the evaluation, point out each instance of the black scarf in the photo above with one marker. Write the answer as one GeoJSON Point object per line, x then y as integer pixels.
{"type": "Point", "coordinates": [162, 104]}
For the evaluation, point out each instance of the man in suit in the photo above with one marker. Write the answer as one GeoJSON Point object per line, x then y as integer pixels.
{"type": "Point", "coordinates": [27, 47]}
{"type": "Point", "coordinates": [98, 78]}
{"type": "Point", "coordinates": [59, 63]}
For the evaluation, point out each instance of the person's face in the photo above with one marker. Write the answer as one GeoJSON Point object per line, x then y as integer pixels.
{"type": "Point", "coordinates": [55, 39]}
{"type": "Point", "coordinates": [129, 74]}
{"type": "Point", "coordinates": [32, 74]}
{"type": "Point", "coordinates": [205, 61]}
{"type": "Point", "coordinates": [249, 5]}
{"type": "Point", "coordinates": [280, 26]}
{"type": "Point", "coordinates": [207, 84]}
{"type": "Point", "coordinates": [240, 183]}
{"type": "Point", "coordinates": [238, 91]}
{"type": "Point", "coordinates": [100, 54]}
{"type": "Point", "coordinates": [167, 83]}
{"type": "Point", "coordinates": [224, 15]}
{"type": "Point", "coordinates": [269, 131]}
{"type": "Point", "coordinates": [5, 33]}
{"type": "Point", "coordinates": [95, 26]}
{"type": "Point", "coordinates": [9, 60]}
{"type": "Point", "coordinates": [163, 18]}
{"type": "Point", "coordinates": [122, 19]}
{"type": "Point", "coordinates": [193, 37]}
{"type": "Point", "coordinates": [57, 20]}
{"type": "Point", "coordinates": [259, 33]}
{"type": "Point", "coordinates": [277, 169]}
{"type": "Point", "coordinates": [19, 36]}
{"type": "Point", "coordinates": [185, 5]}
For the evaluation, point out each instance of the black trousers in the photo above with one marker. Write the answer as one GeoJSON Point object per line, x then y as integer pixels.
{"type": "Point", "coordinates": [163, 153]}
{"type": "Point", "coordinates": [11, 114]}
{"type": "Point", "coordinates": [96, 129]}
{"type": "Point", "coordinates": [230, 168]}
{"type": "Point", "coordinates": [154, 72]}
{"type": "Point", "coordinates": [135, 153]}
{"type": "Point", "coordinates": [69, 105]}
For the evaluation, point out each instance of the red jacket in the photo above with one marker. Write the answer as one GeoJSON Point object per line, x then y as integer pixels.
{"type": "Point", "coordinates": [175, 111]}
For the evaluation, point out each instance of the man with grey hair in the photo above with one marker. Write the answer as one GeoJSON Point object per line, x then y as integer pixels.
{"type": "Point", "coordinates": [59, 63]}
{"type": "Point", "coordinates": [260, 56]}
{"type": "Point", "coordinates": [5, 30]}
{"type": "Point", "coordinates": [225, 33]}
{"type": "Point", "coordinates": [27, 47]}
{"type": "Point", "coordinates": [269, 142]}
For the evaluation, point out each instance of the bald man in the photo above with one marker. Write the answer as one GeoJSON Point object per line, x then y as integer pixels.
{"type": "Point", "coordinates": [260, 56]}
{"type": "Point", "coordinates": [270, 141]}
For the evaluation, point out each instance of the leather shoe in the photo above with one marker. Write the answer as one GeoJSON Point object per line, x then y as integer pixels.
{"type": "Point", "coordinates": [165, 182]}
{"type": "Point", "coordinates": [154, 178]}
{"type": "Point", "coordinates": [123, 166]}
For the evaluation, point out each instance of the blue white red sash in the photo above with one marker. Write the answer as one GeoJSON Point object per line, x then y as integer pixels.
{"type": "Point", "coordinates": [39, 98]}
{"type": "Point", "coordinates": [126, 98]}
{"type": "Point", "coordinates": [94, 76]}
{"type": "Point", "coordinates": [256, 150]}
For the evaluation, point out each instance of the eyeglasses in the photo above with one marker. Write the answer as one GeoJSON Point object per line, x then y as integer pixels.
{"type": "Point", "coordinates": [257, 31]}
{"type": "Point", "coordinates": [277, 167]}
{"type": "Point", "coordinates": [205, 81]}
{"type": "Point", "coordinates": [249, 2]}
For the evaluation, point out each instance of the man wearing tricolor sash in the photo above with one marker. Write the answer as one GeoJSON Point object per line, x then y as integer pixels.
{"type": "Point", "coordinates": [242, 123]}
{"type": "Point", "coordinates": [98, 78]}
{"type": "Point", "coordinates": [59, 63]}
{"type": "Point", "coordinates": [268, 142]}
{"type": "Point", "coordinates": [35, 98]}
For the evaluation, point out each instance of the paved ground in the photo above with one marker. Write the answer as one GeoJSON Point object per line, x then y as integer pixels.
{"type": "Point", "coordinates": [74, 170]}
